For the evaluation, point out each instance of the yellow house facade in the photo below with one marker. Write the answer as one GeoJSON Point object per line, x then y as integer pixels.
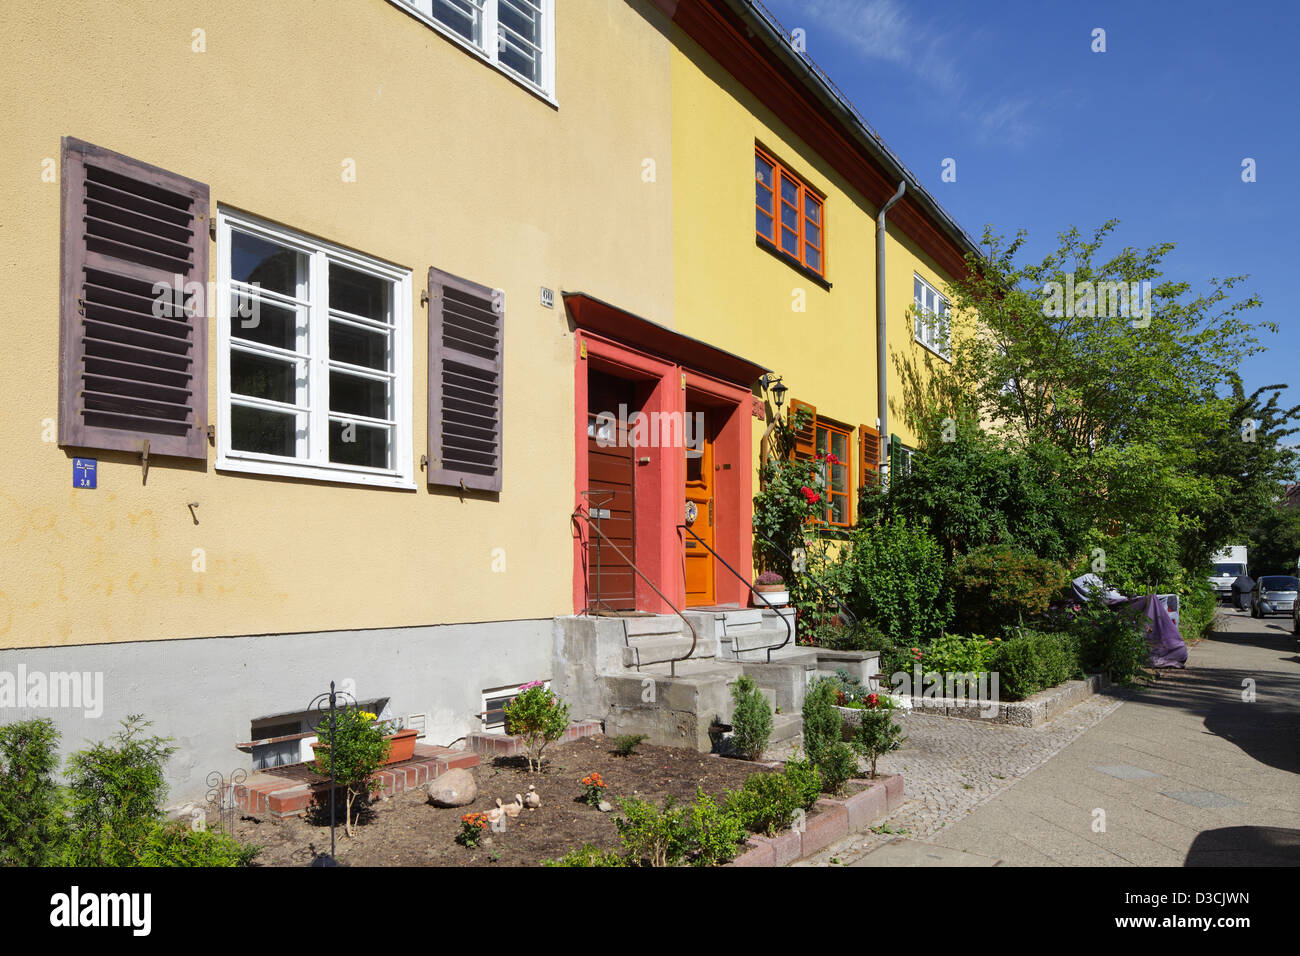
{"type": "Point", "coordinates": [331, 311]}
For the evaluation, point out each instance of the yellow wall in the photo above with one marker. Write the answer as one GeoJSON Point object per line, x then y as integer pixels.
{"type": "Point", "coordinates": [457, 167]}
{"type": "Point", "coordinates": [736, 295]}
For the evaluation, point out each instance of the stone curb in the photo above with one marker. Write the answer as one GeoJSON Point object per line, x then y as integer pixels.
{"type": "Point", "coordinates": [1030, 712]}
{"type": "Point", "coordinates": [833, 819]}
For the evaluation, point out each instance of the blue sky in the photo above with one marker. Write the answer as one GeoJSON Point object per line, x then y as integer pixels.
{"type": "Point", "coordinates": [1047, 134]}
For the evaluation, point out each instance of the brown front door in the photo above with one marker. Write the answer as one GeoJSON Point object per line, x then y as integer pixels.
{"type": "Point", "coordinates": [611, 471]}
{"type": "Point", "coordinates": [700, 486]}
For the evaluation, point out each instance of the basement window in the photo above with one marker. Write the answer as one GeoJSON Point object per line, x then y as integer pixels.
{"type": "Point", "coordinates": [493, 712]}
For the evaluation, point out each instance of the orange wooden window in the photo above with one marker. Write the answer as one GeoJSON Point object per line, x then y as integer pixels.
{"type": "Point", "coordinates": [788, 213]}
{"type": "Point", "coordinates": [836, 462]}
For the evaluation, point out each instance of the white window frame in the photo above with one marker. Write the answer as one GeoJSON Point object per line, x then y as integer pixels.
{"type": "Point", "coordinates": [930, 321]}
{"type": "Point", "coordinates": [491, 693]}
{"type": "Point", "coordinates": [317, 466]}
{"type": "Point", "coordinates": [422, 10]}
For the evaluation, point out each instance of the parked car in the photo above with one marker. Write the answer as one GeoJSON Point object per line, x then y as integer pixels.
{"type": "Point", "coordinates": [1275, 594]}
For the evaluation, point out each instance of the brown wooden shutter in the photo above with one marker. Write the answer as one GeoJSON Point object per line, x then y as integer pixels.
{"type": "Point", "coordinates": [869, 454]}
{"type": "Point", "coordinates": [805, 438]}
{"type": "Point", "coordinates": [466, 344]}
{"type": "Point", "coordinates": [133, 360]}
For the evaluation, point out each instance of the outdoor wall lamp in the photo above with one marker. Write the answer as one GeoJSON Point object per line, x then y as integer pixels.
{"type": "Point", "coordinates": [772, 383]}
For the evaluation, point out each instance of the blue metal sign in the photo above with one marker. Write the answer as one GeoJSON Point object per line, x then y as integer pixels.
{"type": "Point", "coordinates": [84, 473]}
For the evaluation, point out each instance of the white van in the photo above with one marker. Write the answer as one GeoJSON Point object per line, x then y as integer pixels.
{"type": "Point", "coordinates": [1226, 566]}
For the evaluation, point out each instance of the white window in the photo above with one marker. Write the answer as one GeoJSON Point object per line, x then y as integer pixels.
{"type": "Point", "coordinates": [314, 361]}
{"type": "Point", "coordinates": [931, 317]}
{"type": "Point", "coordinates": [516, 36]}
{"type": "Point", "coordinates": [495, 700]}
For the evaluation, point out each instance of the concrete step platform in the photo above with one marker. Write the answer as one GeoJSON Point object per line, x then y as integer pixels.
{"type": "Point", "coordinates": [644, 651]}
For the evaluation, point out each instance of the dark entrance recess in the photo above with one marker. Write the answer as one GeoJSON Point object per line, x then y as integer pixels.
{"type": "Point", "coordinates": [611, 480]}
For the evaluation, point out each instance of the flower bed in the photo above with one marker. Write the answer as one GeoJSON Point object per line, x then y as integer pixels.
{"type": "Point", "coordinates": [408, 831]}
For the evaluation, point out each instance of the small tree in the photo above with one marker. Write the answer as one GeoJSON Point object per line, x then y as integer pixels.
{"type": "Point", "coordinates": [751, 719]}
{"type": "Point", "coordinates": [823, 736]}
{"type": "Point", "coordinates": [539, 717]}
{"type": "Point", "coordinates": [356, 750]}
{"type": "Point", "coordinates": [116, 793]}
{"type": "Point", "coordinates": [31, 820]}
{"type": "Point", "coordinates": [877, 734]}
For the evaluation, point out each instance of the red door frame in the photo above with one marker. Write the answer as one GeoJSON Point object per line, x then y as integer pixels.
{"type": "Point", "coordinates": [661, 474]}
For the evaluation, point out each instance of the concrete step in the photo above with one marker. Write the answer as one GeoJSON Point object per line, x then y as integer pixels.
{"type": "Point", "coordinates": [653, 650]}
{"type": "Point", "coordinates": [760, 637]}
{"type": "Point", "coordinates": [657, 625]}
{"type": "Point", "coordinates": [786, 728]}
{"type": "Point", "coordinates": [742, 621]}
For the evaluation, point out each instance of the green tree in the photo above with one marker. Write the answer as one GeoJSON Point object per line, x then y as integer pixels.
{"type": "Point", "coordinates": [32, 828]}
{"type": "Point", "coordinates": [354, 750]}
{"type": "Point", "coordinates": [116, 790]}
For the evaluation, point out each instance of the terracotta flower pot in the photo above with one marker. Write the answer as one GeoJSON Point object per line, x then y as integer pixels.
{"type": "Point", "coordinates": [403, 746]}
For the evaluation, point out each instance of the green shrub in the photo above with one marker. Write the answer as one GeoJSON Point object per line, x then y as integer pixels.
{"type": "Point", "coordinates": [1112, 641]}
{"type": "Point", "coordinates": [175, 844]}
{"type": "Point", "coordinates": [1030, 661]}
{"type": "Point", "coordinates": [538, 716]}
{"type": "Point", "coordinates": [1000, 586]}
{"type": "Point", "coordinates": [751, 719]}
{"type": "Point", "coordinates": [352, 752]}
{"type": "Point", "coordinates": [625, 744]}
{"type": "Point", "coordinates": [804, 779]}
{"type": "Point", "coordinates": [32, 827]}
{"type": "Point", "coordinates": [767, 802]}
{"type": "Point", "coordinates": [588, 856]}
{"type": "Point", "coordinates": [715, 831]}
{"type": "Point", "coordinates": [653, 835]}
{"type": "Point", "coordinates": [1196, 610]}
{"type": "Point", "coordinates": [116, 791]}
{"type": "Point", "coordinates": [894, 575]}
{"type": "Point", "coordinates": [823, 734]}
{"type": "Point", "coordinates": [955, 653]}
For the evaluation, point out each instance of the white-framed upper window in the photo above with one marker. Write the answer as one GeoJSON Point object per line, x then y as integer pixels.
{"type": "Point", "coordinates": [931, 317]}
{"type": "Point", "coordinates": [314, 366]}
{"type": "Point", "coordinates": [516, 36]}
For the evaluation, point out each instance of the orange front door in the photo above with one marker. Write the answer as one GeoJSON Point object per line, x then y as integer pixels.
{"type": "Point", "coordinates": [700, 486]}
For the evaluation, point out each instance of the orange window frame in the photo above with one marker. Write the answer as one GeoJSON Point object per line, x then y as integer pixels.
{"type": "Point", "coordinates": [846, 461]}
{"type": "Point", "coordinates": [809, 213]}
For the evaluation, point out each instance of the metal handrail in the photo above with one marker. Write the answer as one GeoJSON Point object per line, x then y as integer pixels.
{"type": "Point", "coordinates": [822, 589]}
{"type": "Point", "coordinates": [789, 632]}
{"type": "Point", "coordinates": [672, 664]}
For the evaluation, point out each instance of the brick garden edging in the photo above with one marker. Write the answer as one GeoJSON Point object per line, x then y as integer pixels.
{"type": "Point", "coordinates": [268, 795]}
{"type": "Point", "coordinates": [503, 745]}
{"type": "Point", "coordinates": [833, 818]}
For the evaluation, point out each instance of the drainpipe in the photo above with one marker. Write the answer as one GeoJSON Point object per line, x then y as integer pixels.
{"type": "Point", "coordinates": [882, 388]}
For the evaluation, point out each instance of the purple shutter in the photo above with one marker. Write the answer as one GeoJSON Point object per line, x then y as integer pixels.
{"type": "Point", "coordinates": [133, 363]}
{"type": "Point", "coordinates": [466, 340]}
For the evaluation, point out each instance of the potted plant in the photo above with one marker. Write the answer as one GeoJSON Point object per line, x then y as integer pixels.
{"type": "Point", "coordinates": [402, 741]}
{"type": "Point", "coordinates": [772, 586]}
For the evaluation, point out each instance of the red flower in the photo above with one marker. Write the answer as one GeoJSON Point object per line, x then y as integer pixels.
{"type": "Point", "coordinates": [809, 495]}
{"type": "Point", "coordinates": [873, 700]}
{"type": "Point", "coordinates": [831, 459]}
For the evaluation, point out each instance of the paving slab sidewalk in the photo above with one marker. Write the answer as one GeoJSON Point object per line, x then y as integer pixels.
{"type": "Point", "coordinates": [1189, 772]}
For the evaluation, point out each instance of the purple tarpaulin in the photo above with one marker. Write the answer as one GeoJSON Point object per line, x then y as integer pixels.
{"type": "Point", "coordinates": [1168, 649]}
